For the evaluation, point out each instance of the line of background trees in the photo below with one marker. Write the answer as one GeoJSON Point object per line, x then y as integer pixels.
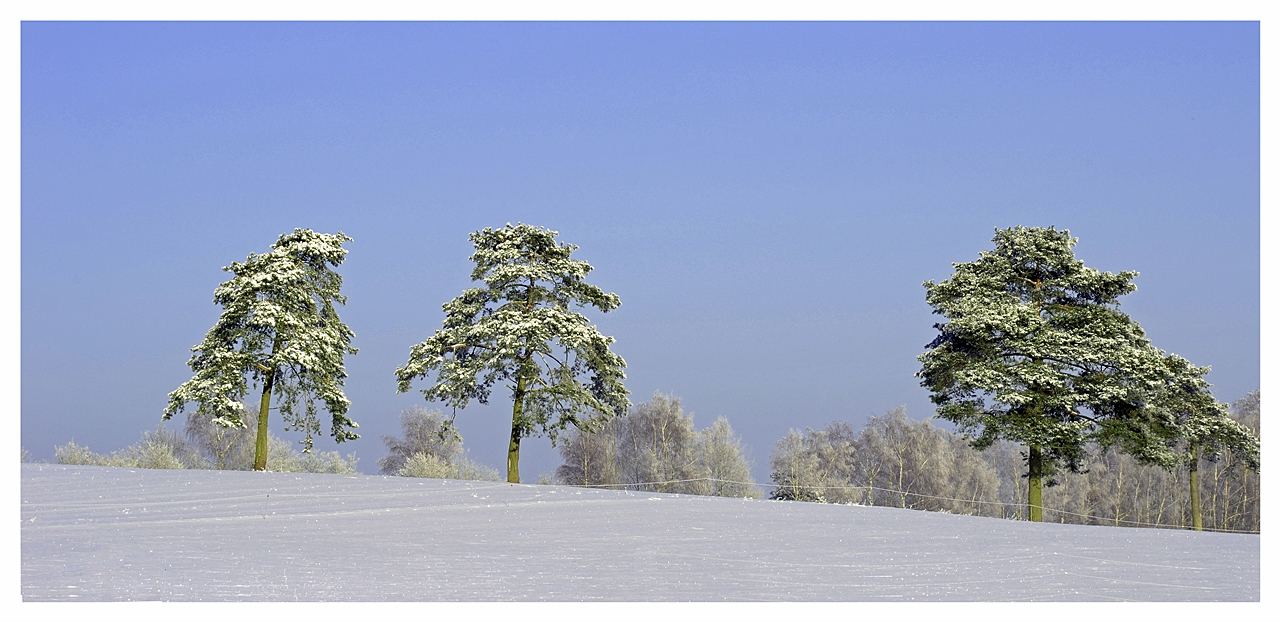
{"type": "Point", "coordinates": [893, 461]}
{"type": "Point", "coordinates": [897, 462]}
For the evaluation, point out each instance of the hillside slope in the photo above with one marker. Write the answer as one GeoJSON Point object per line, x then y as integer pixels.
{"type": "Point", "coordinates": [105, 534]}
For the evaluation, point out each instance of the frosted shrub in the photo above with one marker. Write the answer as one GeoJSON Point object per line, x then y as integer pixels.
{"type": "Point", "coordinates": [469, 469]}
{"type": "Point", "coordinates": [162, 446]}
{"type": "Point", "coordinates": [282, 457]}
{"type": "Point", "coordinates": [162, 449]}
{"type": "Point", "coordinates": [222, 447]}
{"type": "Point", "coordinates": [71, 453]}
{"type": "Point", "coordinates": [425, 432]}
{"type": "Point", "coordinates": [430, 447]}
{"type": "Point", "coordinates": [157, 456]}
{"type": "Point", "coordinates": [145, 455]}
{"type": "Point", "coordinates": [424, 465]}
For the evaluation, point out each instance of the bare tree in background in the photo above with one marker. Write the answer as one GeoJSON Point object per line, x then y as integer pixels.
{"type": "Point", "coordinates": [659, 445]}
{"type": "Point", "coordinates": [1231, 491]}
{"type": "Point", "coordinates": [892, 461]}
{"type": "Point", "coordinates": [591, 458]}
{"type": "Point", "coordinates": [793, 467]}
{"type": "Point", "coordinates": [975, 486]}
{"type": "Point", "coordinates": [424, 432]}
{"type": "Point", "coordinates": [725, 461]}
{"type": "Point", "coordinates": [655, 447]}
{"type": "Point", "coordinates": [225, 447]}
{"type": "Point", "coordinates": [899, 462]}
{"type": "Point", "coordinates": [1006, 461]}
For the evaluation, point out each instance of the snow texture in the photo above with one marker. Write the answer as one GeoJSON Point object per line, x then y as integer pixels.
{"type": "Point", "coordinates": [110, 534]}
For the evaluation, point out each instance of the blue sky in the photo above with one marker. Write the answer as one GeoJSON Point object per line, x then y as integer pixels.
{"type": "Point", "coordinates": [766, 198]}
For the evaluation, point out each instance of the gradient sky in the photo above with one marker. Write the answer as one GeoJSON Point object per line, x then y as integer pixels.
{"type": "Point", "coordinates": [765, 198]}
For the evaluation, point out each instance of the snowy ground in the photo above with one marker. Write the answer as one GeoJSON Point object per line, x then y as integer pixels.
{"type": "Point", "coordinates": [105, 534]}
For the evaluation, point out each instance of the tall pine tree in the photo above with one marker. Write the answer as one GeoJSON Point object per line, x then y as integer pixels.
{"type": "Point", "coordinates": [279, 327]}
{"type": "Point", "coordinates": [521, 327]}
{"type": "Point", "coordinates": [1197, 426]}
{"type": "Point", "coordinates": [1036, 351]}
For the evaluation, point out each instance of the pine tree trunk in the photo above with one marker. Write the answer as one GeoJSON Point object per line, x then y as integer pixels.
{"type": "Point", "coordinates": [260, 453]}
{"type": "Point", "coordinates": [1035, 463]}
{"type": "Point", "coordinates": [1197, 521]}
{"type": "Point", "coordinates": [268, 381]}
{"type": "Point", "coordinates": [513, 450]}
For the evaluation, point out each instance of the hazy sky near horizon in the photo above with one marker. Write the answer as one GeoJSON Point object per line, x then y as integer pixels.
{"type": "Point", "coordinates": [766, 198]}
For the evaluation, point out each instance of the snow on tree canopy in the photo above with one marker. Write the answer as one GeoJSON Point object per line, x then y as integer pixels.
{"type": "Point", "coordinates": [1035, 349]}
{"type": "Point", "coordinates": [279, 326]}
{"type": "Point", "coordinates": [521, 328]}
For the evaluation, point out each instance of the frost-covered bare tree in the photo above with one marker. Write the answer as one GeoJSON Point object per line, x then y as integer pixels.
{"type": "Point", "coordinates": [659, 448]}
{"type": "Point", "coordinates": [225, 447]}
{"type": "Point", "coordinates": [823, 465]}
{"type": "Point", "coordinates": [430, 447]}
{"type": "Point", "coordinates": [423, 432]}
{"type": "Point", "coordinates": [793, 468]}
{"type": "Point", "coordinates": [1231, 489]}
{"type": "Point", "coordinates": [655, 447]}
{"type": "Point", "coordinates": [914, 457]}
{"type": "Point", "coordinates": [892, 461]}
{"type": "Point", "coordinates": [1005, 459]}
{"type": "Point", "coordinates": [724, 459]}
{"type": "Point", "coordinates": [974, 488]}
{"type": "Point", "coordinates": [592, 458]}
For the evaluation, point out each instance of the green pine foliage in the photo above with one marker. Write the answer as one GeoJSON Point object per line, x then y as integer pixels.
{"type": "Point", "coordinates": [520, 327]}
{"type": "Point", "coordinates": [1035, 350]}
{"type": "Point", "coordinates": [279, 328]}
{"type": "Point", "coordinates": [1193, 421]}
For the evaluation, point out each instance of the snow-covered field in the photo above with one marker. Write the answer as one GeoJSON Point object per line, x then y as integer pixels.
{"type": "Point", "coordinates": [106, 534]}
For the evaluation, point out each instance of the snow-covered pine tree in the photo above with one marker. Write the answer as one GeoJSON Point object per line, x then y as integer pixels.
{"type": "Point", "coordinates": [1196, 423]}
{"type": "Point", "coordinates": [279, 326]}
{"type": "Point", "coordinates": [520, 327]}
{"type": "Point", "coordinates": [1035, 350]}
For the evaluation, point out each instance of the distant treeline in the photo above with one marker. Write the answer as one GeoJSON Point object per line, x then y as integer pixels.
{"type": "Point", "coordinates": [894, 461]}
